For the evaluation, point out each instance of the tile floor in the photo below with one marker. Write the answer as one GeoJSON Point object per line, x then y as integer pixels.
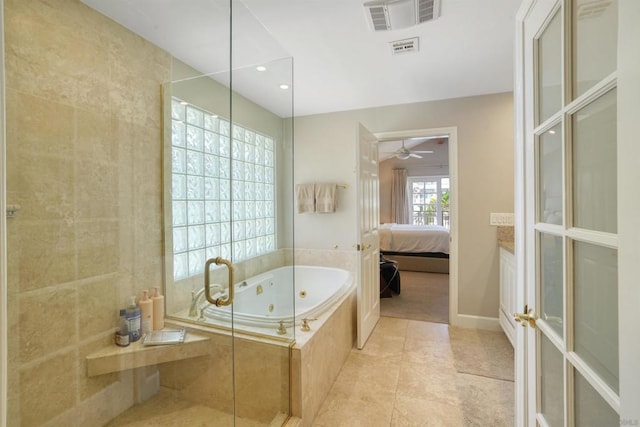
{"type": "Point", "coordinates": [406, 376]}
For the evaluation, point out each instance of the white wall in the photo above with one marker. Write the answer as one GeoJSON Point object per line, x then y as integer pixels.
{"type": "Point", "coordinates": [325, 151]}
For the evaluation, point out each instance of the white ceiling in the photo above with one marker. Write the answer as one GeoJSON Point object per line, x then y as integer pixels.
{"type": "Point", "coordinates": [339, 63]}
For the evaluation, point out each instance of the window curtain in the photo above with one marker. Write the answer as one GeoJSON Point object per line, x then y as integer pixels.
{"type": "Point", "coordinates": [399, 201]}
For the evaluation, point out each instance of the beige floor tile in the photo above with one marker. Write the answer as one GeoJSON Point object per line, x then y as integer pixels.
{"type": "Point", "coordinates": [413, 412]}
{"type": "Point", "coordinates": [351, 410]}
{"type": "Point", "coordinates": [391, 326]}
{"type": "Point", "coordinates": [164, 410]}
{"type": "Point", "coordinates": [486, 401]}
{"type": "Point", "coordinates": [363, 373]}
{"type": "Point", "coordinates": [485, 353]}
{"type": "Point", "coordinates": [419, 332]}
{"type": "Point", "coordinates": [427, 382]}
{"type": "Point", "coordinates": [384, 345]}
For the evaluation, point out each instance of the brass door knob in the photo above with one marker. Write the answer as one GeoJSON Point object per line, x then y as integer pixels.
{"type": "Point", "coordinates": [529, 316]}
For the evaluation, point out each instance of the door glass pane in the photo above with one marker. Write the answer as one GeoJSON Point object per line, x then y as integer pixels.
{"type": "Point", "coordinates": [551, 383]}
{"type": "Point", "coordinates": [590, 408]}
{"type": "Point", "coordinates": [595, 38]}
{"type": "Point", "coordinates": [551, 268]}
{"type": "Point", "coordinates": [550, 176]}
{"type": "Point", "coordinates": [596, 309]}
{"type": "Point", "coordinates": [550, 69]}
{"type": "Point", "coordinates": [594, 165]}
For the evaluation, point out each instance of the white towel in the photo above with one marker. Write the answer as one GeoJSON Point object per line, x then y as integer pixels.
{"type": "Point", "coordinates": [305, 198]}
{"type": "Point", "coordinates": [325, 198]}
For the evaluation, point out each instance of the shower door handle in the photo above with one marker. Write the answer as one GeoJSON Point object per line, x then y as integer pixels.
{"type": "Point", "coordinates": [207, 287]}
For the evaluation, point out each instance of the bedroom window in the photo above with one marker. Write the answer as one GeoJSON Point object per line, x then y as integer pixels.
{"type": "Point", "coordinates": [222, 173]}
{"type": "Point", "coordinates": [429, 202]}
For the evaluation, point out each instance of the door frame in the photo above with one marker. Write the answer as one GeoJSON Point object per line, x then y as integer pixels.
{"type": "Point", "coordinates": [520, 339]}
{"type": "Point", "coordinates": [452, 132]}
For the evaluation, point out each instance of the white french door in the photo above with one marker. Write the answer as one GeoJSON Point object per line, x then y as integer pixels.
{"type": "Point", "coordinates": [368, 245]}
{"type": "Point", "coordinates": [578, 219]}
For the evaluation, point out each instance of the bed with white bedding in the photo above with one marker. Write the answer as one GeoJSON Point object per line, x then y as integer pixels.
{"type": "Point", "coordinates": [414, 239]}
{"type": "Point", "coordinates": [416, 247]}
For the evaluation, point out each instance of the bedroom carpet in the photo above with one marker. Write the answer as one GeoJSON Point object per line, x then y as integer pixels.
{"type": "Point", "coordinates": [423, 296]}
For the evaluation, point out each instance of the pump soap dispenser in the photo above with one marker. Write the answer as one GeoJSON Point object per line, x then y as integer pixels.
{"type": "Point", "coordinates": [158, 310]}
{"type": "Point", "coordinates": [133, 317]}
{"type": "Point", "coordinates": [146, 312]}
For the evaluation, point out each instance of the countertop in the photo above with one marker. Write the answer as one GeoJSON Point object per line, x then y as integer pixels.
{"type": "Point", "coordinates": [505, 238]}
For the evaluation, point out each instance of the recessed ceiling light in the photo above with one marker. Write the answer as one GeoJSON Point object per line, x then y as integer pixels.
{"type": "Point", "coordinates": [284, 86]}
{"type": "Point", "coordinates": [261, 68]}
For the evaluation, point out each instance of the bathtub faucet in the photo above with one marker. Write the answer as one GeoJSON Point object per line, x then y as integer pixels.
{"type": "Point", "coordinates": [197, 296]}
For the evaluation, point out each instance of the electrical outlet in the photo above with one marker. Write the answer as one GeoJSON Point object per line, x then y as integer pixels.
{"type": "Point", "coordinates": [501, 219]}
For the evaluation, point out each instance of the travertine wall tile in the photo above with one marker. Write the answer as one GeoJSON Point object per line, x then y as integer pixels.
{"type": "Point", "coordinates": [42, 400]}
{"type": "Point", "coordinates": [89, 386]}
{"type": "Point", "coordinates": [98, 247]}
{"type": "Point", "coordinates": [96, 302]}
{"type": "Point", "coordinates": [97, 190]}
{"type": "Point", "coordinates": [207, 380]}
{"type": "Point", "coordinates": [47, 322]}
{"type": "Point", "coordinates": [260, 371]}
{"type": "Point", "coordinates": [84, 162]}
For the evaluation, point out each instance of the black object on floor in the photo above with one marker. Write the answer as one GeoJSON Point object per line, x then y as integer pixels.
{"type": "Point", "coordinates": [389, 278]}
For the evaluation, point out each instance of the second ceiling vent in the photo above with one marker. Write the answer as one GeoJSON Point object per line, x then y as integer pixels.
{"type": "Point", "coordinates": [385, 15]}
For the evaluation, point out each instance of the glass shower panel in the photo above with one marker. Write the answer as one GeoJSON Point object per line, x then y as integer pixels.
{"type": "Point", "coordinates": [261, 171]}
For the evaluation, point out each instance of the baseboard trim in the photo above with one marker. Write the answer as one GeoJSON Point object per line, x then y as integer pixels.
{"type": "Point", "coordinates": [476, 322]}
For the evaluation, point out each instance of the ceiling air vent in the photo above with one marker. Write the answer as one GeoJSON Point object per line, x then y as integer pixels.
{"type": "Point", "coordinates": [384, 15]}
{"type": "Point", "coordinates": [378, 18]}
{"type": "Point", "coordinates": [404, 46]}
{"type": "Point", "coordinates": [428, 10]}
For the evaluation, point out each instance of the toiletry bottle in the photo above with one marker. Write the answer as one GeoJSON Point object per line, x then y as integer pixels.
{"type": "Point", "coordinates": [122, 334]}
{"type": "Point", "coordinates": [146, 313]}
{"type": "Point", "coordinates": [158, 310]}
{"type": "Point", "coordinates": [133, 317]}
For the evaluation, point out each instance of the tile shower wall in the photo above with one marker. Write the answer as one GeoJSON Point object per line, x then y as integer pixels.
{"type": "Point", "coordinates": [84, 162]}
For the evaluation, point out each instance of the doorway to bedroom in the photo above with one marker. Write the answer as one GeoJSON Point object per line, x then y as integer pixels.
{"type": "Point", "coordinates": [416, 195]}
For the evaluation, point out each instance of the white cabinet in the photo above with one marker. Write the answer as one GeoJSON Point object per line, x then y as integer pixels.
{"type": "Point", "coordinates": [507, 293]}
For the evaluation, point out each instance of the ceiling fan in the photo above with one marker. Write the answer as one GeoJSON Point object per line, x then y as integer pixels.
{"type": "Point", "coordinates": [403, 153]}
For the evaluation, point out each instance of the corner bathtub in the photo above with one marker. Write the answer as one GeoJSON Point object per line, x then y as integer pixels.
{"type": "Point", "coordinates": [269, 298]}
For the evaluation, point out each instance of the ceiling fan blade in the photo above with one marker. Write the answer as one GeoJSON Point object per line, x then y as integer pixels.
{"type": "Point", "coordinates": [415, 155]}
{"type": "Point", "coordinates": [423, 152]}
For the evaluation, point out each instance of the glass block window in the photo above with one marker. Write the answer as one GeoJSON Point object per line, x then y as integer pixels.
{"type": "Point", "coordinates": [222, 192]}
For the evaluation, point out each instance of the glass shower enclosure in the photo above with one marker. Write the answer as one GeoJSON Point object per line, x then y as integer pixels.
{"type": "Point", "coordinates": [149, 145]}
